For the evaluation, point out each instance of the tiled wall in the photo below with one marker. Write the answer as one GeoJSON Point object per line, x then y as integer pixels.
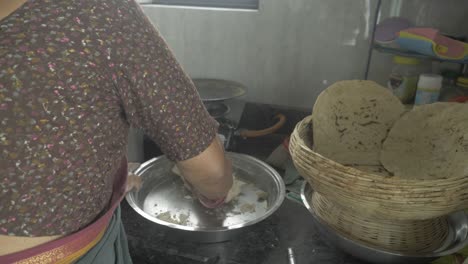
{"type": "Point", "coordinates": [288, 51]}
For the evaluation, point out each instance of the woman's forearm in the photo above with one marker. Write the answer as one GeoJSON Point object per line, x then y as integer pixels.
{"type": "Point", "coordinates": [209, 173]}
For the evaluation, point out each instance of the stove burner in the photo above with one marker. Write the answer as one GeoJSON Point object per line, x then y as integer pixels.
{"type": "Point", "coordinates": [227, 114]}
{"type": "Point", "coordinates": [217, 110]}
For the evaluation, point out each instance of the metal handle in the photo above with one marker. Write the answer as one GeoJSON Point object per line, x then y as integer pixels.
{"type": "Point", "coordinates": [291, 256]}
{"type": "Point", "coordinates": [259, 133]}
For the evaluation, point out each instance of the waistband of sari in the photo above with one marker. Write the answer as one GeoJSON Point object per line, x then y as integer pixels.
{"type": "Point", "coordinates": [70, 248]}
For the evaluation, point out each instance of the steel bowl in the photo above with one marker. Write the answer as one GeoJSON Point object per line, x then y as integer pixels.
{"type": "Point", "coordinates": [456, 240]}
{"type": "Point", "coordinates": [163, 194]}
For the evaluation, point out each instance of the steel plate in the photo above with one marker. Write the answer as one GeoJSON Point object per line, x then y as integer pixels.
{"type": "Point", "coordinates": [456, 240]}
{"type": "Point", "coordinates": [163, 195]}
{"type": "Point", "coordinates": [218, 90]}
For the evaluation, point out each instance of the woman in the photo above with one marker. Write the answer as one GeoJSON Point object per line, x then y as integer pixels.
{"type": "Point", "coordinates": [74, 75]}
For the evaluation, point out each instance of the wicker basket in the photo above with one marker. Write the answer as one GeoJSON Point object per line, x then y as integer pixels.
{"type": "Point", "coordinates": [374, 195]}
{"type": "Point", "coordinates": [414, 237]}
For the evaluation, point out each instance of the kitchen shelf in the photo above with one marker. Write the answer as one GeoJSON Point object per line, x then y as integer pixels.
{"type": "Point", "coordinates": [405, 53]}
{"type": "Point", "coordinates": [373, 46]}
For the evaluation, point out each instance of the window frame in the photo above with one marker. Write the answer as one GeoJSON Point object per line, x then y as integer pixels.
{"type": "Point", "coordinates": [232, 4]}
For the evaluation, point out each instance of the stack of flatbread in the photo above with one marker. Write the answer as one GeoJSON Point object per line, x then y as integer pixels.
{"type": "Point", "coordinates": [362, 124]}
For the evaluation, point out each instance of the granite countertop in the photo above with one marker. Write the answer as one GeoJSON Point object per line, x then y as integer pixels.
{"type": "Point", "coordinates": [266, 242]}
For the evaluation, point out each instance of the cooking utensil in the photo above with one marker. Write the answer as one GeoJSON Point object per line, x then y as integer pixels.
{"type": "Point", "coordinates": [456, 240]}
{"type": "Point", "coordinates": [260, 133]}
{"type": "Point", "coordinates": [218, 90]}
{"type": "Point", "coordinates": [232, 129]}
{"type": "Point", "coordinates": [164, 200]}
{"type": "Point", "coordinates": [216, 94]}
{"type": "Point", "coordinates": [217, 109]}
{"type": "Point", "coordinates": [412, 236]}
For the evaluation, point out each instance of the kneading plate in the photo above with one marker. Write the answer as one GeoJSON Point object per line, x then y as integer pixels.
{"type": "Point", "coordinates": [164, 199]}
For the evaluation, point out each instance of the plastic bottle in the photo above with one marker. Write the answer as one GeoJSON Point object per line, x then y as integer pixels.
{"type": "Point", "coordinates": [403, 79]}
{"type": "Point", "coordinates": [428, 90]}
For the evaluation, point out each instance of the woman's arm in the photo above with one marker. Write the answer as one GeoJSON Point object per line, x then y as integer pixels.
{"type": "Point", "coordinates": [209, 173]}
{"type": "Point", "coordinates": [158, 97]}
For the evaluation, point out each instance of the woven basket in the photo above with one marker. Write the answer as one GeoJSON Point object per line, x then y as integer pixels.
{"type": "Point", "coordinates": [374, 195]}
{"type": "Point", "coordinates": [415, 237]}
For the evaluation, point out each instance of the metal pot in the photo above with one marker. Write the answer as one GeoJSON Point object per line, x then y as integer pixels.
{"type": "Point", "coordinates": [164, 200]}
{"type": "Point", "coordinates": [456, 240]}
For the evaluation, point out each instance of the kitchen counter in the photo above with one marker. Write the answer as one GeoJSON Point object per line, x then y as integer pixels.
{"type": "Point", "coordinates": [266, 242]}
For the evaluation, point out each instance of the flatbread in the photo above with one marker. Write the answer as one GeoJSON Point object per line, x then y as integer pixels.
{"type": "Point", "coordinates": [429, 142]}
{"type": "Point", "coordinates": [351, 119]}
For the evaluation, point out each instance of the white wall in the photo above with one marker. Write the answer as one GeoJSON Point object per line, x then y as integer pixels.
{"type": "Point", "coordinates": [288, 51]}
{"type": "Point", "coordinates": [285, 53]}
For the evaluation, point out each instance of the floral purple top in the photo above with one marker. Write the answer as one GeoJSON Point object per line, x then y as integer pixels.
{"type": "Point", "coordinates": [74, 75]}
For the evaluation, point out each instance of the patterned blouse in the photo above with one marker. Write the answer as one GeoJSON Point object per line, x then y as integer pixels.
{"type": "Point", "coordinates": [74, 75]}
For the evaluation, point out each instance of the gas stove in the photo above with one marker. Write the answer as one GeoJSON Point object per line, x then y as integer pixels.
{"type": "Point", "coordinates": [221, 100]}
{"type": "Point", "coordinates": [228, 114]}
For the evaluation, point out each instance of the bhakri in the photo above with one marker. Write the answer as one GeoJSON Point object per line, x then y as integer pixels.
{"type": "Point", "coordinates": [429, 142]}
{"type": "Point", "coordinates": [351, 119]}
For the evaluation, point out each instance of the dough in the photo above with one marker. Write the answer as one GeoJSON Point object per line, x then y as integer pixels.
{"type": "Point", "coordinates": [351, 119]}
{"type": "Point", "coordinates": [429, 142]}
{"type": "Point", "coordinates": [247, 208]}
{"type": "Point", "coordinates": [171, 218]}
{"type": "Point", "coordinates": [235, 189]}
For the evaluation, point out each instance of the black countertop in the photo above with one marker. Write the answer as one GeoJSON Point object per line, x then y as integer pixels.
{"type": "Point", "coordinates": [266, 242]}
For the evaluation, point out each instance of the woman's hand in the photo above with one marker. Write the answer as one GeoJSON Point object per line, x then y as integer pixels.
{"type": "Point", "coordinates": [211, 204]}
{"type": "Point", "coordinates": [203, 200]}
{"type": "Point", "coordinates": [209, 175]}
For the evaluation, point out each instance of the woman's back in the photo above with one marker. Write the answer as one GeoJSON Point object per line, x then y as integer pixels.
{"type": "Point", "coordinates": [73, 75]}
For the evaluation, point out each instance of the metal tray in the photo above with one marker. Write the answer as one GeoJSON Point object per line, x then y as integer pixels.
{"type": "Point", "coordinates": [457, 239]}
{"type": "Point", "coordinates": [211, 90]}
{"type": "Point", "coordinates": [163, 194]}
